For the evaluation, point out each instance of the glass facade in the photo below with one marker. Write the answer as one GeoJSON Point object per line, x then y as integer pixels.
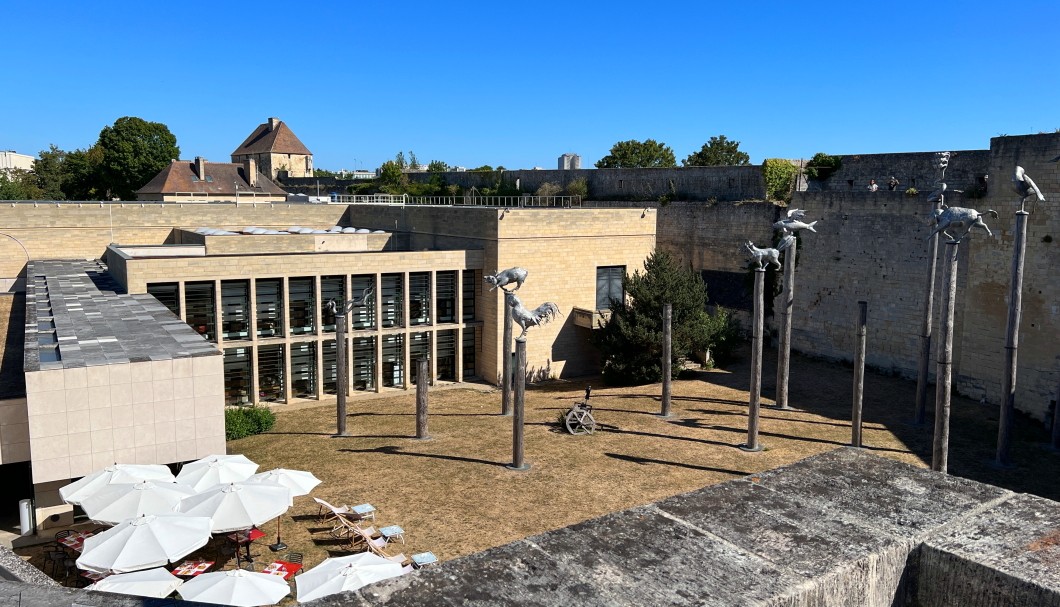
{"type": "Point", "coordinates": [235, 309]}
{"type": "Point", "coordinates": [237, 376]}
{"type": "Point", "coordinates": [199, 308]}
{"type": "Point", "coordinates": [447, 355]}
{"type": "Point", "coordinates": [419, 298]}
{"type": "Point", "coordinates": [363, 316]}
{"type": "Point", "coordinates": [419, 347]}
{"type": "Point", "coordinates": [168, 294]}
{"type": "Point", "coordinates": [445, 285]}
{"type": "Point", "coordinates": [302, 307]}
{"type": "Point", "coordinates": [269, 294]}
{"type": "Point", "coordinates": [304, 369]}
{"type": "Point", "coordinates": [331, 288]}
{"type": "Point", "coordinates": [329, 370]}
{"type": "Point", "coordinates": [470, 284]}
{"type": "Point", "coordinates": [470, 340]}
{"type": "Point", "coordinates": [609, 285]}
{"type": "Point", "coordinates": [392, 299]}
{"type": "Point", "coordinates": [272, 381]}
{"type": "Point", "coordinates": [393, 360]}
{"type": "Point", "coordinates": [362, 353]}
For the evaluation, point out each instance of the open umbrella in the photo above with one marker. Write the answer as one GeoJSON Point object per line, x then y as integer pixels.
{"type": "Point", "coordinates": [238, 506]}
{"type": "Point", "coordinates": [157, 583]}
{"type": "Point", "coordinates": [117, 473]}
{"type": "Point", "coordinates": [235, 587]}
{"type": "Point", "coordinates": [147, 541]}
{"type": "Point", "coordinates": [344, 573]}
{"type": "Point", "coordinates": [216, 470]}
{"type": "Point", "coordinates": [115, 503]}
{"type": "Point", "coordinates": [299, 482]}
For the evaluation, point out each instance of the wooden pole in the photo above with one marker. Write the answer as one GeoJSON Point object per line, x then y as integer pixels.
{"type": "Point", "coordinates": [506, 366]}
{"type": "Point", "coordinates": [1056, 422]}
{"type": "Point", "coordinates": [340, 362]}
{"type": "Point", "coordinates": [859, 373]}
{"type": "Point", "coordinates": [923, 368]}
{"type": "Point", "coordinates": [666, 370]}
{"type": "Point", "coordinates": [756, 365]}
{"type": "Point", "coordinates": [421, 398]}
{"type": "Point", "coordinates": [944, 361]}
{"type": "Point", "coordinates": [1012, 342]}
{"type": "Point", "coordinates": [520, 398]}
{"type": "Point", "coordinates": [784, 347]}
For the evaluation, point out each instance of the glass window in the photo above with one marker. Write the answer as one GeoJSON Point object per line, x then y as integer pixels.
{"type": "Point", "coordinates": [419, 298]}
{"type": "Point", "coordinates": [330, 369]}
{"type": "Point", "coordinates": [168, 294]}
{"type": "Point", "coordinates": [235, 309]}
{"type": "Point", "coordinates": [469, 352]}
{"type": "Point", "coordinates": [199, 308]}
{"type": "Point", "coordinates": [609, 285]}
{"type": "Point", "coordinates": [302, 305]}
{"type": "Point", "coordinates": [331, 287]}
{"type": "Point", "coordinates": [445, 285]}
{"type": "Point", "coordinates": [237, 376]}
{"type": "Point", "coordinates": [393, 360]}
{"type": "Point", "coordinates": [419, 347]}
{"type": "Point", "coordinates": [363, 316]}
{"type": "Point", "coordinates": [271, 380]}
{"type": "Point", "coordinates": [393, 300]}
{"type": "Point", "coordinates": [269, 293]}
{"type": "Point", "coordinates": [447, 355]}
{"type": "Point", "coordinates": [362, 354]}
{"type": "Point", "coordinates": [470, 284]}
{"type": "Point", "coordinates": [304, 370]}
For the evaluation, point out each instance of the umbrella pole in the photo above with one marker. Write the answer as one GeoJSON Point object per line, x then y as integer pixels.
{"type": "Point", "coordinates": [279, 545]}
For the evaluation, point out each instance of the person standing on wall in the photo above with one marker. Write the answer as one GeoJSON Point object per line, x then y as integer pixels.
{"type": "Point", "coordinates": [872, 185]}
{"type": "Point", "coordinates": [892, 185]}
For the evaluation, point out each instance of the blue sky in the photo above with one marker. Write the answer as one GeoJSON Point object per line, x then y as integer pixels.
{"type": "Point", "coordinates": [475, 83]}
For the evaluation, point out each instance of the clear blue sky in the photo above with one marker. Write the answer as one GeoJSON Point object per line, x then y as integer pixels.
{"type": "Point", "coordinates": [473, 83]}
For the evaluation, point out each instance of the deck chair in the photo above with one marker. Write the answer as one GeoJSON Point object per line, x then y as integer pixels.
{"type": "Point", "coordinates": [327, 512]}
{"type": "Point", "coordinates": [406, 569]}
{"type": "Point", "coordinates": [346, 529]}
{"type": "Point", "coordinates": [398, 558]}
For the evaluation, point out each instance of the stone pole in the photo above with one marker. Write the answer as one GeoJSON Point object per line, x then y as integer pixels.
{"type": "Point", "coordinates": [340, 363]}
{"type": "Point", "coordinates": [784, 347]}
{"type": "Point", "coordinates": [421, 398]}
{"type": "Point", "coordinates": [943, 372]}
{"type": "Point", "coordinates": [756, 365]}
{"type": "Point", "coordinates": [520, 404]}
{"type": "Point", "coordinates": [1056, 423]}
{"type": "Point", "coordinates": [666, 349]}
{"type": "Point", "coordinates": [506, 364]}
{"type": "Point", "coordinates": [1012, 341]}
{"type": "Point", "coordinates": [942, 160]}
{"type": "Point", "coordinates": [859, 373]}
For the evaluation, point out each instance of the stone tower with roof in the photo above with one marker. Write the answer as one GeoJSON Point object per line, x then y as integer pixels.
{"type": "Point", "coordinates": [276, 150]}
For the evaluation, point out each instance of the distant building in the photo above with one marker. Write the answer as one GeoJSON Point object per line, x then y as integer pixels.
{"type": "Point", "coordinates": [275, 149]}
{"type": "Point", "coordinates": [11, 160]}
{"type": "Point", "coordinates": [202, 181]}
{"type": "Point", "coordinates": [570, 161]}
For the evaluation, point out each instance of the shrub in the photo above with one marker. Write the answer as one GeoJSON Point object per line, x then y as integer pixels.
{"type": "Point", "coordinates": [821, 166]}
{"type": "Point", "coordinates": [548, 189]}
{"type": "Point", "coordinates": [725, 336]}
{"type": "Point", "coordinates": [912, 192]}
{"type": "Point", "coordinates": [779, 176]}
{"type": "Point", "coordinates": [578, 187]}
{"type": "Point", "coordinates": [247, 421]}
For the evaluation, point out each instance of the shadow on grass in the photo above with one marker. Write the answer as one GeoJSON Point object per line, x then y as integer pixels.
{"type": "Point", "coordinates": [396, 450]}
{"type": "Point", "coordinates": [595, 409]}
{"type": "Point", "coordinates": [691, 399]}
{"type": "Point", "coordinates": [669, 436]}
{"type": "Point", "coordinates": [687, 424]}
{"type": "Point", "coordinates": [785, 419]}
{"type": "Point", "coordinates": [647, 460]}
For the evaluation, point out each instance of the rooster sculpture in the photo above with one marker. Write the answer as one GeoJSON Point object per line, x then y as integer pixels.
{"type": "Point", "coordinates": [530, 318]}
{"type": "Point", "coordinates": [1025, 186]}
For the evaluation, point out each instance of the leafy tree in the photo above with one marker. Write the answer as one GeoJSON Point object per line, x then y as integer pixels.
{"type": "Point", "coordinates": [134, 151]}
{"type": "Point", "coordinates": [578, 187]}
{"type": "Point", "coordinates": [437, 166]}
{"type": "Point", "coordinates": [414, 163]}
{"type": "Point", "coordinates": [631, 342]}
{"type": "Point", "coordinates": [637, 154]}
{"type": "Point", "coordinates": [484, 168]}
{"type": "Point", "coordinates": [81, 179]}
{"type": "Point", "coordinates": [719, 151]}
{"type": "Point", "coordinates": [399, 160]}
{"type": "Point", "coordinates": [548, 189]}
{"type": "Point", "coordinates": [821, 166]}
{"type": "Point", "coordinates": [50, 172]}
{"type": "Point", "coordinates": [392, 179]}
{"type": "Point", "coordinates": [19, 184]}
{"type": "Point", "coordinates": [779, 176]}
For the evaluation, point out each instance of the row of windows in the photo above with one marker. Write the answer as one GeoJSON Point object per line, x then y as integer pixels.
{"type": "Point", "coordinates": [294, 312]}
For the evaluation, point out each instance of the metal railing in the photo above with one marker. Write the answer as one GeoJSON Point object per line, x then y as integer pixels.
{"type": "Point", "coordinates": [564, 202]}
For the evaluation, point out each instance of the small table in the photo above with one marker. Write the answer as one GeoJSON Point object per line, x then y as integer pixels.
{"type": "Point", "coordinates": [282, 568]}
{"type": "Point", "coordinates": [392, 532]}
{"type": "Point", "coordinates": [192, 568]}
{"type": "Point", "coordinates": [423, 559]}
{"type": "Point", "coordinates": [76, 540]}
{"type": "Point", "coordinates": [245, 538]}
{"type": "Point", "coordinates": [364, 511]}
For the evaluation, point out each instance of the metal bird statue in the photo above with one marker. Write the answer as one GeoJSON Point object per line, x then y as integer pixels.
{"type": "Point", "coordinates": [1025, 186]}
{"type": "Point", "coordinates": [530, 318]}
{"type": "Point", "coordinates": [793, 222]}
{"type": "Point", "coordinates": [936, 196]}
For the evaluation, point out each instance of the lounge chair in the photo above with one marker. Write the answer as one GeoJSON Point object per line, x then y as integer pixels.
{"type": "Point", "coordinates": [405, 569]}
{"type": "Point", "coordinates": [327, 512]}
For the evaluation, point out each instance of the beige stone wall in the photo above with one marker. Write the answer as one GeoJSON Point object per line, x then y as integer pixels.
{"type": "Point", "coordinates": [14, 431]}
{"type": "Point", "coordinates": [157, 412]}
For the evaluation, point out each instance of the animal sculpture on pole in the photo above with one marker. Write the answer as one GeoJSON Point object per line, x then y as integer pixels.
{"type": "Point", "coordinates": [770, 256]}
{"type": "Point", "coordinates": [530, 318]}
{"type": "Point", "coordinates": [1025, 186]}
{"type": "Point", "coordinates": [960, 217]}
{"type": "Point", "coordinates": [506, 277]}
{"type": "Point", "coordinates": [793, 222]}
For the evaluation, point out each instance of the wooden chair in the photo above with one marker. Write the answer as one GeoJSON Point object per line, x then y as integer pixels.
{"type": "Point", "coordinates": [326, 511]}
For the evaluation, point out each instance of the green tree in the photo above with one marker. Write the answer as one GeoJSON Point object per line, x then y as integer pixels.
{"type": "Point", "coordinates": [719, 151]}
{"type": "Point", "coordinates": [780, 177]}
{"type": "Point", "coordinates": [578, 187]}
{"type": "Point", "coordinates": [634, 154]}
{"type": "Point", "coordinates": [19, 184]}
{"type": "Point", "coordinates": [630, 343]}
{"type": "Point", "coordinates": [414, 162]}
{"type": "Point", "coordinates": [81, 174]}
{"type": "Point", "coordinates": [822, 165]}
{"type": "Point", "coordinates": [392, 179]}
{"type": "Point", "coordinates": [399, 160]}
{"type": "Point", "coordinates": [548, 189]}
{"type": "Point", "coordinates": [484, 168]}
{"type": "Point", "coordinates": [134, 151]}
{"type": "Point", "coordinates": [437, 166]}
{"type": "Point", "coordinates": [50, 172]}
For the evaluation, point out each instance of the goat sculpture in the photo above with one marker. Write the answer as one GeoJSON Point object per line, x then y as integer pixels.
{"type": "Point", "coordinates": [530, 318]}
{"type": "Point", "coordinates": [506, 277]}
{"type": "Point", "coordinates": [960, 217]}
{"type": "Point", "coordinates": [770, 256]}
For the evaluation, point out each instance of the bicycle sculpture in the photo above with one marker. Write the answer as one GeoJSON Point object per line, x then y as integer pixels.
{"type": "Point", "coordinates": [579, 419]}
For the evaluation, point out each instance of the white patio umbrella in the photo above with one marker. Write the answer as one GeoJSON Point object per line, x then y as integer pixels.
{"type": "Point", "coordinates": [299, 482]}
{"type": "Point", "coordinates": [118, 473]}
{"type": "Point", "coordinates": [344, 573]}
{"type": "Point", "coordinates": [235, 587]}
{"type": "Point", "coordinates": [157, 583]}
{"type": "Point", "coordinates": [115, 503]}
{"type": "Point", "coordinates": [216, 470]}
{"type": "Point", "coordinates": [147, 541]}
{"type": "Point", "coordinates": [237, 506]}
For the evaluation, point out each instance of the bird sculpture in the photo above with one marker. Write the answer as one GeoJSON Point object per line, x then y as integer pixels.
{"type": "Point", "coordinates": [937, 195]}
{"type": "Point", "coordinates": [1025, 186]}
{"type": "Point", "coordinates": [530, 318]}
{"type": "Point", "coordinates": [793, 222]}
